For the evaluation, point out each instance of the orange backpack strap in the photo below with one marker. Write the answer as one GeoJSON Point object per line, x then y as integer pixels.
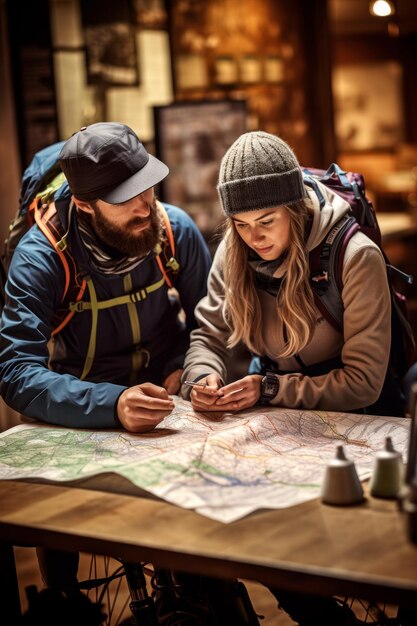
{"type": "Point", "coordinates": [166, 260]}
{"type": "Point", "coordinates": [46, 217]}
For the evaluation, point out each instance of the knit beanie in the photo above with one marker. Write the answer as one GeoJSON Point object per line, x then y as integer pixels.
{"type": "Point", "coordinates": [259, 171]}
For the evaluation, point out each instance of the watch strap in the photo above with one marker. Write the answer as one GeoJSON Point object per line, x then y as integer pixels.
{"type": "Point", "coordinates": [269, 387]}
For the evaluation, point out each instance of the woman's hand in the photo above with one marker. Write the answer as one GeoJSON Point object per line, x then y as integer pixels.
{"type": "Point", "coordinates": [241, 394]}
{"type": "Point", "coordinates": [204, 395]}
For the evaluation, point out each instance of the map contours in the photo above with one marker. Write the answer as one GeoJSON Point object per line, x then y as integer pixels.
{"type": "Point", "coordinates": [222, 465]}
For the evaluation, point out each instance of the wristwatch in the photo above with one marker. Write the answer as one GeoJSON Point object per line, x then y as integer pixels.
{"type": "Point", "coordinates": [269, 387]}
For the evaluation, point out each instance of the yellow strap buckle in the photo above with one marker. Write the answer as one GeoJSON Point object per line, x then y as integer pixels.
{"type": "Point", "coordinates": [77, 307]}
{"type": "Point", "coordinates": [138, 296]}
{"type": "Point", "coordinates": [62, 244]}
{"type": "Point", "coordinates": [173, 264]}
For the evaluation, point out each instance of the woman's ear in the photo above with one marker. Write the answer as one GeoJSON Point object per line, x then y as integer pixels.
{"type": "Point", "coordinates": [83, 205]}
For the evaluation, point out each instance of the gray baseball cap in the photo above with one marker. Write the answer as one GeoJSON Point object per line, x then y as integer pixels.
{"type": "Point", "coordinates": [107, 161]}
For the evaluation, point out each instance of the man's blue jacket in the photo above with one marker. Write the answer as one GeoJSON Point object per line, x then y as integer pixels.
{"type": "Point", "coordinates": [40, 377]}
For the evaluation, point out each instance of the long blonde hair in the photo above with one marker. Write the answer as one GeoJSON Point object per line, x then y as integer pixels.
{"type": "Point", "coordinates": [295, 300]}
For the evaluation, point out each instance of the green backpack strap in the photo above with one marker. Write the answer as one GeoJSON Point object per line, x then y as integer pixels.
{"type": "Point", "coordinates": [99, 305]}
{"type": "Point", "coordinates": [45, 215]}
{"type": "Point", "coordinates": [169, 267]}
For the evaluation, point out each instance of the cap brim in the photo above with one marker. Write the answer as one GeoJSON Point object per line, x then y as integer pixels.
{"type": "Point", "coordinates": [151, 174]}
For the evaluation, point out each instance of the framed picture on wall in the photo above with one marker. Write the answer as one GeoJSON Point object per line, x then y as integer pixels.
{"type": "Point", "coordinates": [369, 109]}
{"type": "Point", "coordinates": [111, 54]}
{"type": "Point", "coordinates": [191, 138]}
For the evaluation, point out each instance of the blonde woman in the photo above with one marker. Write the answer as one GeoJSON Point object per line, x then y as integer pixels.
{"type": "Point", "coordinates": [260, 294]}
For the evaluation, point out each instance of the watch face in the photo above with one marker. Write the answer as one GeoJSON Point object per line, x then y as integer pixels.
{"type": "Point", "coordinates": [270, 386]}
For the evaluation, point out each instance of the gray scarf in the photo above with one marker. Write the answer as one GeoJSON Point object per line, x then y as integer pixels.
{"type": "Point", "coordinates": [105, 262]}
{"type": "Point", "coordinates": [264, 273]}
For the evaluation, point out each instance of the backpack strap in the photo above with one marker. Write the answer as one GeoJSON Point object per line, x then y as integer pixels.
{"type": "Point", "coordinates": [98, 305]}
{"type": "Point", "coordinates": [46, 217]}
{"type": "Point", "coordinates": [326, 266]}
{"type": "Point", "coordinates": [166, 260]}
{"type": "Point", "coordinates": [167, 264]}
{"type": "Point", "coordinates": [167, 251]}
{"type": "Point", "coordinates": [94, 305]}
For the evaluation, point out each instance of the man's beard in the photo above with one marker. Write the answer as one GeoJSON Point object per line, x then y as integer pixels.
{"type": "Point", "coordinates": [125, 240]}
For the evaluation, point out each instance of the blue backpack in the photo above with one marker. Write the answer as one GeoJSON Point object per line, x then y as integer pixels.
{"type": "Point", "coordinates": [41, 179]}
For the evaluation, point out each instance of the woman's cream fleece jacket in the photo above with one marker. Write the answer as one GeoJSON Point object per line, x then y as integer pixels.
{"type": "Point", "coordinates": [363, 347]}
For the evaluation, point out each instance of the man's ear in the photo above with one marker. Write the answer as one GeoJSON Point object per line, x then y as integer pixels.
{"type": "Point", "coordinates": [83, 205]}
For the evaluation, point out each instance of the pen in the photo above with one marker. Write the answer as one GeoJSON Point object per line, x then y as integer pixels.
{"type": "Point", "coordinates": [191, 384]}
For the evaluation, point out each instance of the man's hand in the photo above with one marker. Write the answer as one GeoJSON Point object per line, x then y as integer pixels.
{"type": "Point", "coordinates": [142, 407]}
{"type": "Point", "coordinates": [172, 383]}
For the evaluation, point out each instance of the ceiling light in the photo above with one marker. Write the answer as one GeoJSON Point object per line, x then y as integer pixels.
{"type": "Point", "coordinates": [382, 8]}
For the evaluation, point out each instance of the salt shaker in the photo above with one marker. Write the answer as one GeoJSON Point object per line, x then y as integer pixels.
{"type": "Point", "coordinates": [388, 471]}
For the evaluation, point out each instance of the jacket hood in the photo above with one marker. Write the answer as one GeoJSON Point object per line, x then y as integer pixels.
{"type": "Point", "coordinates": [324, 218]}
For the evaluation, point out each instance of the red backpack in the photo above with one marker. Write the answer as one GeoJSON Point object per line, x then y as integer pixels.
{"type": "Point", "coordinates": [326, 261]}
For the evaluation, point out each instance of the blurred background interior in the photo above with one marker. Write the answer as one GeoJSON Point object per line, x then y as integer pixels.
{"type": "Point", "coordinates": [337, 82]}
{"type": "Point", "coordinates": [333, 79]}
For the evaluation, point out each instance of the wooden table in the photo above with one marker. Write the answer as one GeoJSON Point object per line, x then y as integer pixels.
{"type": "Point", "coordinates": [361, 551]}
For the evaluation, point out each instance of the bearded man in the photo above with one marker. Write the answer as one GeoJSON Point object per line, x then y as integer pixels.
{"type": "Point", "coordinates": [119, 359]}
